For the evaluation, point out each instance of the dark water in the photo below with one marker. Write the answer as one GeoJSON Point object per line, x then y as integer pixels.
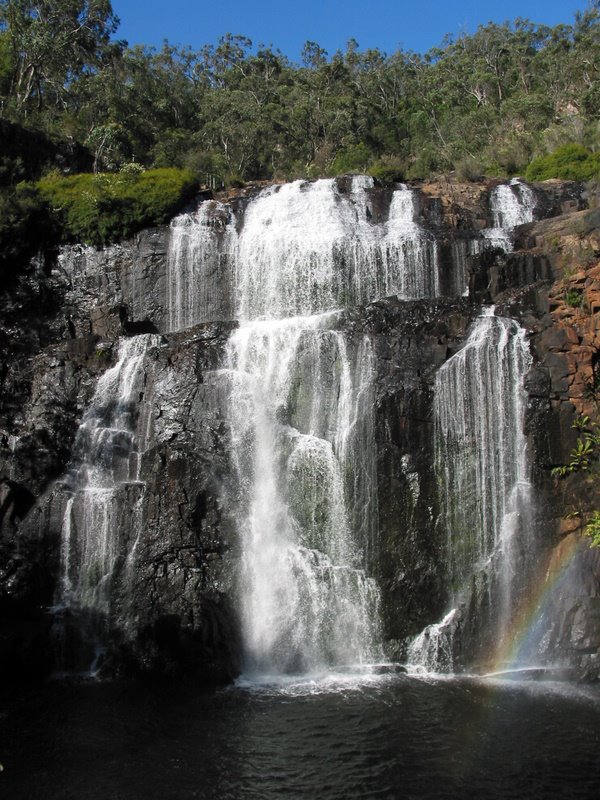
{"type": "Point", "coordinates": [390, 737]}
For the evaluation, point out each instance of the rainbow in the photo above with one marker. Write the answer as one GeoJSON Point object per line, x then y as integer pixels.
{"type": "Point", "coordinates": [508, 654]}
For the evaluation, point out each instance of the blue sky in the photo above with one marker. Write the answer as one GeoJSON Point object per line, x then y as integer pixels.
{"type": "Point", "coordinates": [386, 24]}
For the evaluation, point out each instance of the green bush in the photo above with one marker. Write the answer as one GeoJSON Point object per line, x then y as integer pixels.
{"type": "Point", "coordinates": [388, 170]}
{"type": "Point", "coordinates": [574, 298]}
{"type": "Point", "coordinates": [103, 208]}
{"type": "Point", "coordinates": [592, 529]}
{"type": "Point", "coordinates": [572, 162]}
{"type": "Point", "coordinates": [469, 169]}
{"type": "Point", "coordinates": [427, 162]}
{"type": "Point", "coordinates": [586, 453]}
{"type": "Point", "coordinates": [234, 180]}
{"type": "Point", "coordinates": [354, 158]}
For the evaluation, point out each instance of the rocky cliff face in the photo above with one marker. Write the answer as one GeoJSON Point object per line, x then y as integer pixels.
{"type": "Point", "coordinates": [172, 582]}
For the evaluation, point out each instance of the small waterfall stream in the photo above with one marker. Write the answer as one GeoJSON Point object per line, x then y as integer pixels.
{"type": "Point", "coordinates": [199, 255]}
{"type": "Point", "coordinates": [511, 205]}
{"type": "Point", "coordinates": [481, 464]}
{"type": "Point", "coordinates": [108, 448]}
{"type": "Point", "coordinates": [480, 445]}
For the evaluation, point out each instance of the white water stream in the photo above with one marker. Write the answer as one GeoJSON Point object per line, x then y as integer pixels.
{"type": "Point", "coordinates": [301, 416]}
{"type": "Point", "coordinates": [301, 249]}
{"type": "Point", "coordinates": [511, 205]}
{"type": "Point", "coordinates": [108, 448]}
{"type": "Point", "coordinates": [481, 464]}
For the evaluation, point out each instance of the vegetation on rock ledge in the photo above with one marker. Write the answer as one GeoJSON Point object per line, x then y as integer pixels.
{"type": "Point", "coordinates": [102, 208]}
{"type": "Point", "coordinates": [584, 457]}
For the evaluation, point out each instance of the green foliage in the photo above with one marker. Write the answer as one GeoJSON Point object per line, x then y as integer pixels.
{"type": "Point", "coordinates": [388, 170]}
{"type": "Point", "coordinates": [354, 158]}
{"type": "Point", "coordinates": [469, 168]}
{"type": "Point", "coordinates": [480, 104]}
{"type": "Point", "coordinates": [102, 208]}
{"type": "Point", "coordinates": [6, 63]}
{"type": "Point", "coordinates": [103, 355]}
{"type": "Point", "coordinates": [574, 298]}
{"type": "Point", "coordinates": [587, 450]}
{"type": "Point", "coordinates": [51, 43]}
{"type": "Point", "coordinates": [592, 529]}
{"type": "Point", "coordinates": [570, 162]}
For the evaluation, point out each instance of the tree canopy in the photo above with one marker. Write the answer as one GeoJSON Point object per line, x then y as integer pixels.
{"type": "Point", "coordinates": [49, 44]}
{"type": "Point", "coordinates": [485, 103]}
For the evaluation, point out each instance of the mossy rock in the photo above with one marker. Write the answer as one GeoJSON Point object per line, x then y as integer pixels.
{"type": "Point", "coordinates": [107, 207]}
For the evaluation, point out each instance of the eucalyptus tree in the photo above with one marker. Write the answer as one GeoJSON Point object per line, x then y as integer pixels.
{"type": "Point", "coordinates": [53, 42]}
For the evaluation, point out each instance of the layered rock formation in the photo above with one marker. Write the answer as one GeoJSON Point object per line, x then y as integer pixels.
{"type": "Point", "coordinates": [173, 603]}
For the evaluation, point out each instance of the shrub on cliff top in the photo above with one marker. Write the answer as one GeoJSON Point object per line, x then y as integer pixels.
{"type": "Point", "coordinates": [353, 158]}
{"type": "Point", "coordinates": [571, 162]}
{"type": "Point", "coordinates": [103, 208]}
{"type": "Point", "coordinates": [388, 170]}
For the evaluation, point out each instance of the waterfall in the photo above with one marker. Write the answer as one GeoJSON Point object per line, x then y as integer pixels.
{"type": "Point", "coordinates": [197, 269]}
{"type": "Point", "coordinates": [300, 413]}
{"type": "Point", "coordinates": [301, 400]}
{"type": "Point", "coordinates": [511, 205]}
{"type": "Point", "coordinates": [481, 462]}
{"type": "Point", "coordinates": [108, 447]}
{"type": "Point", "coordinates": [303, 448]}
{"type": "Point", "coordinates": [482, 471]}
{"type": "Point", "coordinates": [480, 445]}
{"type": "Point", "coordinates": [301, 408]}
{"type": "Point", "coordinates": [296, 250]}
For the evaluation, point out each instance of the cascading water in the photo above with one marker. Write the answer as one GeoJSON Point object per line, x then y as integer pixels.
{"type": "Point", "coordinates": [301, 402]}
{"type": "Point", "coordinates": [108, 447]}
{"type": "Point", "coordinates": [300, 414]}
{"type": "Point", "coordinates": [481, 465]}
{"type": "Point", "coordinates": [511, 205]}
{"type": "Point", "coordinates": [300, 410]}
{"type": "Point", "coordinates": [303, 248]}
{"type": "Point", "coordinates": [198, 265]}
{"type": "Point", "coordinates": [478, 410]}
